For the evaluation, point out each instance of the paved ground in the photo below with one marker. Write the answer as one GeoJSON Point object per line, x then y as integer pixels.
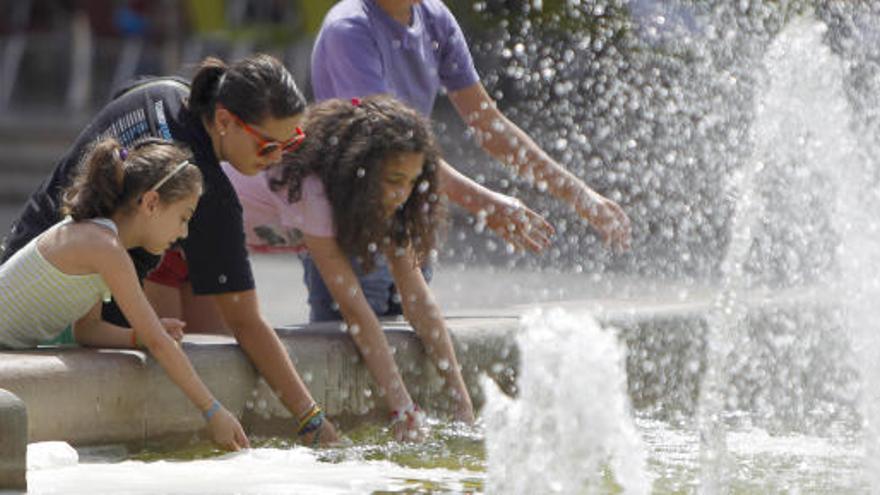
{"type": "Point", "coordinates": [460, 288]}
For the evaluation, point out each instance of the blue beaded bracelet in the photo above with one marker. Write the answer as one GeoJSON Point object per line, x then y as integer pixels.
{"type": "Point", "coordinates": [311, 424]}
{"type": "Point", "coordinates": [208, 413]}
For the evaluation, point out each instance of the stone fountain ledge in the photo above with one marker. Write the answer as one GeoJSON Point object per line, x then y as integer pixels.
{"type": "Point", "coordinates": [100, 396]}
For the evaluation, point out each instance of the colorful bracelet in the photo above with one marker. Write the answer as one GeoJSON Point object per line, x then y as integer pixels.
{"type": "Point", "coordinates": [310, 421]}
{"type": "Point", "coordinates": [405, 414]}
{"type": "Point", "coordinates": [209, 413]}
{"type": "Point", "coordinates": [310, 410]}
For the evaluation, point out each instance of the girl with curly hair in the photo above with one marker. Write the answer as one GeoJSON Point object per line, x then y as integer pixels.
{"type": "Point", "coordinates": [363, 183]}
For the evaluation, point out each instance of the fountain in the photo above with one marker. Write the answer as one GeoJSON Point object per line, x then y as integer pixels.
{"type": "Point", "coordinates": [732, 351]}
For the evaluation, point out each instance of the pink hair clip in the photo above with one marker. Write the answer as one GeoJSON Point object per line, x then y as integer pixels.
{"type": "Point", "coordinates": [356, 102]}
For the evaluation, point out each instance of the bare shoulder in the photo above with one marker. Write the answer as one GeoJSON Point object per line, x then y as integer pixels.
{"type": "Point", "coordinates": [82, 247]}
{"type": "Point", "coordinates": [90, 235]}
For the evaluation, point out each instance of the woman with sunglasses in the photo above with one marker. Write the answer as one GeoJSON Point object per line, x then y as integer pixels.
{"type": "Point", "coordinates": [246, 114]}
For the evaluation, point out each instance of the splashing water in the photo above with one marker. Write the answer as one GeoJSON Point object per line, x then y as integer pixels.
{"type": "Point", "coordinates": [804, 157]}
{"type": "Point", "coordinates": [572, 415]}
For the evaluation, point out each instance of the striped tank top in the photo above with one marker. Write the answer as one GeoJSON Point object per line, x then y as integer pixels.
{"type": "Point", "coordinates": [38, 301]}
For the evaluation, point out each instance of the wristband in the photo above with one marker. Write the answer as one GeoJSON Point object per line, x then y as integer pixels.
{"type": "Point", "coordinates": [209, 413]}
{"type": "Point", "coordinates": [405, 414]}
{"type": "Point", "coordinates": [310, 421]}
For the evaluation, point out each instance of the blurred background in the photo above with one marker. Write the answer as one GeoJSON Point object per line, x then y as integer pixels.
{"type": "Point", "coordinates": [649, 101]}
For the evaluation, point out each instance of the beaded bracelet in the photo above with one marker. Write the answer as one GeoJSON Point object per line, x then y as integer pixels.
{"type": "Point", "coordinates": [408, 413]}
{"type": "Point", "coordinates": [310, 421]}
{"type": "Point", "coordinates": [209, 413]}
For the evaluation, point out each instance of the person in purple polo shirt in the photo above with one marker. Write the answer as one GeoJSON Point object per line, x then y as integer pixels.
{"type": "Point", "coordinates": [411, 49]}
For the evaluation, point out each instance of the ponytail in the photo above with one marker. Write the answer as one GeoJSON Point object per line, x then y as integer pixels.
{"type": "Point", "coordinates": [111, 177]}
{"type": "Point", "coordinates": [97, 188]}
{"type": "Point", "coordinates": [253, 88]}
{"type": "Point", "coordinates": [205, 86]}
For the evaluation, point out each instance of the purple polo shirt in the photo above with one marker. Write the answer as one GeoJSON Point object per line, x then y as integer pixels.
{"type": "Point", "coordinates": [362, 51]}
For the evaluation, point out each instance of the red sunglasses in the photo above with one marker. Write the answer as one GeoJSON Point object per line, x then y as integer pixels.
{"type": "Point", "coordinates": [269, 146]}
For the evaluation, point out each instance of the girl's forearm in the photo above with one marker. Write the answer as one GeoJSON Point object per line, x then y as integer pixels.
{"type": "Point", "coordinates": [376, 351]}
{"type": "Point", "coordinates": [427, 320]}
{"type": "Point", "coordinates": [464, 191]}
{"type": "Point", "coordinates": [506, 142]}
{"type": "Point", "coordinates": [363, 326]}
{"type": "Point", "coordinates": [178, 367]}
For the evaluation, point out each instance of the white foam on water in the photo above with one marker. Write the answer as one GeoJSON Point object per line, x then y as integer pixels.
{"type": "Point", "coordinates": [572, 415]}
{"type": "Point", "coordinates": [50, 455]}
{"type": "Point", "coordinates": [257, 471]}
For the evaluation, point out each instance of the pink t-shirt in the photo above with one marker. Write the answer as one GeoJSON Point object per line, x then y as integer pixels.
{"type": "Point", "coordinates": [271, 223]}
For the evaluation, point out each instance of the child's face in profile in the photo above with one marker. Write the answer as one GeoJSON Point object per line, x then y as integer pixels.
{"type": "Point", "coordinates": [399, 175]}
{"type": "Point", "coordinates": [170, 223]}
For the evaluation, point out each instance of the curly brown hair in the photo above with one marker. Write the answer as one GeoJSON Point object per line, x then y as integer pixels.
{"type": "Point", "coordinates": [347, 144]}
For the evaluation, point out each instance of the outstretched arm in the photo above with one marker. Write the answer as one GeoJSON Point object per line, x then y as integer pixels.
{"type": "Point", "coordinates": [363, 325]}
{"type": "Point", "coordinates": [506, 216]}
{"type": "Point", "coordinates": [506, 142]}
{"type": "Point", "coordinates": [259, 341]}
{"type": "Point", "coordinates": [117, 270]}
{"type": "Point", "coordinates": [424, 314]}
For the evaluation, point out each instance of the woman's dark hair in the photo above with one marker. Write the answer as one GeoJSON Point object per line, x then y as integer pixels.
{"type": "Point", "coordinates": [253, 89]}
{"type": "Point", "coordinates": [111, 177]}
{"type": "Point", "coordinates": [346, 145]}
